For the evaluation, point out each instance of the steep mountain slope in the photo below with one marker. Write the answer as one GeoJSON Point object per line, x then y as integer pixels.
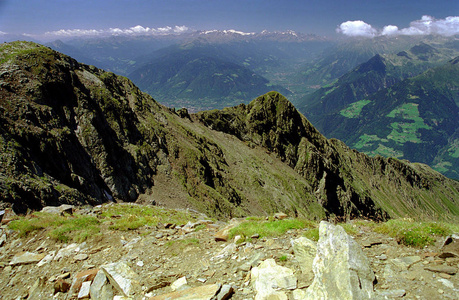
{"type": "Point", "coordinates": [414, 119]}
{"type": "Point", "coordinates": [71, 133]}
{"type": "Point", "coordinates": [366, 79]}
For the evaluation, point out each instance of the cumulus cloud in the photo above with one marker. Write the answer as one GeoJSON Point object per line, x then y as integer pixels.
{"type": "Point", "coordinates": [425, 26]}
{"type": "Point", "coordinates": [390, 30]}
{"type": "Point", "coordinates": [132, 31]}
{"type": "Point", "coordinates": [356, 28]}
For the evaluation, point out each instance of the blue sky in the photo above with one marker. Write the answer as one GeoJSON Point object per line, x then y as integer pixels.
{"type": "Point", "coordinates": [323, 17]}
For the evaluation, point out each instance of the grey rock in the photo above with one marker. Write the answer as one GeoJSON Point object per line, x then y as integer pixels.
{"type": "Point", "coordinates": [268, 277]}
{"type": "Point", "coordinates": [26, 258]}
{"type": "Point", "coordinates": [98, 285]}
{"type": "Point", "coordinates": [36, 290]}
{"type": "Point", "coordinates": [446, 283]}
{"type": "Point", "coordinates": [122, 277]}
{"type": "Point", "coordinates": [3, 239]}
{"type": "Point", "coordinates": [48, 258]}
{"type": "Point", "coordinates": [84, 290]}
{"type": "Point", "coordinates": [176, 285]}
{"type": "Point", "coordinates": [204, 292]}
{"type": "Point", "coordinates": [59, 210]}
{"type": "Point", "coordinates": [81, 256]}
{"type": "Point", "coordinates": [442, 269]}
{"type": "Point", "coordinates": [225, 292]}
{"type": "Point", "coordinates": [305, 251]}
{"type": "Point", "coordinates": [70, 250]}
{"type": "Point", "coordinates": [404, 263]}
{"type": "Point", "coordinates": [392, 293]}
{"type": "Point", "coordinates": [341, 269]}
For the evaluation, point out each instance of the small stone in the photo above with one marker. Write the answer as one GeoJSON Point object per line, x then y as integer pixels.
{"type": "Point", "coordinates": [79, 257]}
{"type": "Point", "coordinates": [61, 286]}
{"type": "Point", "coordinates": [178, 283]}
{"type": "Point", "coordinates": [64, 276]}
{"type": "Point", "coordinates": [280, 216]}
{"type": "Point", "coordinates": [48, 258]}
{"type": "Point", "coordinates": [84, 290]}
{"type": "Point", "coordinates": [225, 292]}
{"type": "Point", "coordinates": [255, 236]}
{"type": "Point", "coordinates": [381, 257]}
{"type": "Point", "coordinates": [446, 283]}
{"type": "Point", "coordinates": [237, 238]}
{"type": "Point", "coordinates": [444, 275]}
{"type": "Point", "coordinates": [140, 263]}
{"type": "Point", "coordinates": [2, 240]}
{"type": "Point", "coordinates": [26, 258]}
{"type": "Point", "coordinates": [442, 269]}
{"type": "Point", "coordinates": [204, 292]}
{"type": "Point", "coordinates": [202, 280]}
{"type": "Point", "coordinates": [392, 293]}
{"type": "Point", "coordinates": [81, 277]}
{"type": "Point", "coordinates": [8, 216]}
{"type": "Point", "coordinates": [440, 291]}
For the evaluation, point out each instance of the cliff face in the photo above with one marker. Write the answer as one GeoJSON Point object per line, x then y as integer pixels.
{"type": "Point", "coordinates": [71, 133]}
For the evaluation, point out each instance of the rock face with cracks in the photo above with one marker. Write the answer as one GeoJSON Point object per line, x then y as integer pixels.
{"type": "Point", "coordinates": [341, 269]}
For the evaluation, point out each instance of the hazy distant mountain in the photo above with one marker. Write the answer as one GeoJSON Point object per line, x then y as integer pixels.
{"type": "Point", "coordinates": [346, 55]}
{"type": "Point", "coordinates": [198, 81]}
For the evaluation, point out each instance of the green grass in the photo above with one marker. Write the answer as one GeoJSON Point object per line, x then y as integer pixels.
{"type": "Point", "coordinates": [61, 228]}
{"type": "Point", "coordinates": [131, 216]}
{"type": "Point", "coordinates": [78, 228]}
{"type": "Point", "coordinates": [406, 131]}
{"type": "Point", "coordinates": [312, 234]}
{"type": "Point", "coordinates": [353, 110]}
{"type": "Point", "coordinates": [270, 228]}
{"type": "Point", "coordinates": [416, 234]}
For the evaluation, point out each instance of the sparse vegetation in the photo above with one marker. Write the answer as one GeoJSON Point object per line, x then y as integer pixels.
{"type": "Point", "coordinates": [416, 234]}
{"type": "Point", "coordinates": [80, 227]}
{"type": "Point", "coordinates": [60, 228]}
{"type": "Point", "coordinates": [270, 228]}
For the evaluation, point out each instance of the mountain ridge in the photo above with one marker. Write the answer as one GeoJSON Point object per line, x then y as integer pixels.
{"type": "Point", "coordinates": [72, 133]}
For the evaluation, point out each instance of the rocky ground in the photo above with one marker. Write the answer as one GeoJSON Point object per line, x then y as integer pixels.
{"type": "Point", "coordinates": [189, 262]}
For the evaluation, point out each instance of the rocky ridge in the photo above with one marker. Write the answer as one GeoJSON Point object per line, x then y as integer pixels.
{"type": "Point", "coordinates": [74, 134]}
{"type": "Point", "coordinates": [181, 262]}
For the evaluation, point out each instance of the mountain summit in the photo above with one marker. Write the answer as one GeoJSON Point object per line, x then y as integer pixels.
{"type": "Point", "coordinates": [72, 133]}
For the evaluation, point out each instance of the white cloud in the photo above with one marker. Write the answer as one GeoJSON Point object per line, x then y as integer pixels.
{"type": "Point", "coordinates": [132, 31]}
{"type": "Point", "coordinates": [425, 26]}
{"type": "Point", "coordinates": [356, 28]}
{"type": "Point", "coordinates": [3, 33]}
{"type": "Point", "coordinates": [390, 30]}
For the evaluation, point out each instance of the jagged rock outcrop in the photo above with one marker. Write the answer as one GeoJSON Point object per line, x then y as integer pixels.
{"type": "Point", "coordinates": [74, 134]}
